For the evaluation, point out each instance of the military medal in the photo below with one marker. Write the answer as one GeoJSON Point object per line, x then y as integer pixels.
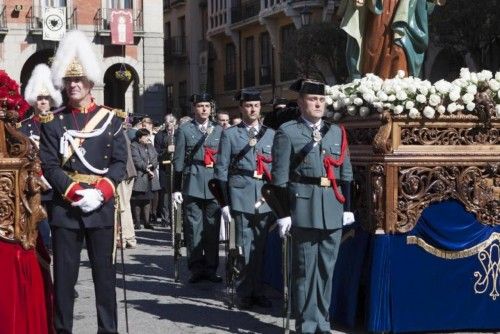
{"type": "Point", "coordinates": [317, 135]}
{"type": "Point", "coordinates": [252, 142]}
{"type": "Point", "coordinates": [210, 129]}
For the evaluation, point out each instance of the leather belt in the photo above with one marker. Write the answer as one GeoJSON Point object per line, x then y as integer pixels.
{"type": "Point", "coordinates": [201, 163]}
{"type": "Point", "coordinates": [246, 172]}
{"type": "Point", "coordinates": [83, 178]}
{"type": "Point", "coordinates": [317, 181]}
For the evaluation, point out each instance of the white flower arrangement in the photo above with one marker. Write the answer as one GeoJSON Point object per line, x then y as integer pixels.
{"type": "Point", "coordinates": [413, 97]}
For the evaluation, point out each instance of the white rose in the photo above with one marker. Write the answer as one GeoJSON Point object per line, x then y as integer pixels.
{"type": "Point", "coordinates": [409, 105]}
{"type": "Point", "coordinates": [337, 116]}
{"type": "Point", "coordinates": [382, 96]}
{"type": "Point", "coordinates": [378, 105]}
{"type": "Point", "coordinates": [472, 89]}
{"type": "Point", "coordinates": [401, 74]}
{"type": "Point", "coordinates": [421, 98]}
{"type": "Point", "coordinates": [497, 109]}
{"type": "Point", "coordinates": [429, 112]}
{"type": "Point", "coordinates": [465, 73]}
{"type": "Point", "coordinates": [328, 100]}
{"type": "Point", "coordinates": [497, 76]}
{"type": "Point", "coordinates": [434, 100]}
{"type": "Point", "coordinates": [358, 101]}
{"type": "Point", "coordinates": [442, 86]}
{"type": "Point", "coordinates": [470, 106]}
{"type": "Point", "coordinates": [401, 95]}
{"type": "Point", "coordinates": [494, 85]}
{"type": "Point", "coordinates": [342, 96]}
{"type": "Point", "coordinates": [486, 75]}
{"type": "Point", "coordinates": [454, 95]}
{"type": "Point", "coordinates": [433, 90]}
{"type": "Point", "coordinates": [398, 110]}
{"type": "Point", "coordinates": [423, 90]}
{"type": "Point", "coordinates": [414, 113]}
{"type": "Point", "coordinates": [474, 78]}
{"type": "Point", "coordinates": [369, 97]}
{"type": "Point", "coordinates": [468, 98]}
{"type": "Point", "coordinates": [351, 110]}
{"type": "Point", "coordinates": [391, 98]}
{"type": "Point", "coordinates": [452, 107]}
{"type": "Point", "coordinates": [460, 106]}
{"type": "Point", "coordinates": [347, 101]}
{"type": "Point", "coordinates": [337, 105]}
{"type": "Point", "coordinates": [441, 109]}
{"type": "Point", "coordinates": [364, 111]}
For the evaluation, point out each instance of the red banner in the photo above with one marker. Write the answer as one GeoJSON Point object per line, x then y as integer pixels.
{"type": "Point", "coordinates": [121, 22]}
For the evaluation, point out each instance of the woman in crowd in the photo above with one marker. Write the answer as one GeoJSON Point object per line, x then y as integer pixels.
{"type": "Point", "coordinates": [147, 182]}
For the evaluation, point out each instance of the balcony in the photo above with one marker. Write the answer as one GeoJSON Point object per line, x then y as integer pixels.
{"type": "Point", "coordinates": [244, 10]}
{"type": "Point", "coordinates": [175, 48]}
{"type": "Point", "coordinates": [102, 20]}
{"type": "Point", "coordinates": [230, 81]}
{"type": "Point", "coordinates": [34, 19]}
{"type": "Point", "coordinates": [3, 20]}
{"type": "Point", "coordinates": [249, 77]}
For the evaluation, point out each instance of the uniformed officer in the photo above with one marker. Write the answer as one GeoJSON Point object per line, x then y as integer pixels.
{"type": "Point", "coordinates": [41, 94]}
{"type": "Point", "coordinates": [243, 166]}
{"type": "Point", "coordinates": [83, 153]}
{"type": "Point", "coordinates": [312, 169]}
{"type": "Point", "coordinates": [196, 144]}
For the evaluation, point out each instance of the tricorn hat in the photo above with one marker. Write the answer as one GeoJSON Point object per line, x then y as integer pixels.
{"type": "Point", "coordinates": [75, 58]}
{"type": "Point", "coordinates": [202, 97]}
{"type": "Point", "coordinates": [247, 95]}
{"type": "Point", "coordinates": [307, 86]}
{"type": "Point", "coordinates": [40, 84]}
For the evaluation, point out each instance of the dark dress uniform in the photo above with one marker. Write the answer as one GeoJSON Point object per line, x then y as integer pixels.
{"type": "Point", "coordinates": [193, 163]}
{"type": "Point", "coordinates": [316, 211]}
{"type": "Point", "coordinates": [70, 225]}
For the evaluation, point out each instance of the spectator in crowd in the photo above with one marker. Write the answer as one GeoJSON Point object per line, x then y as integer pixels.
{"type": "Point", "coordinates": [147, 181]}
{"type": "Point", "coordinates": [148, 124]}
{"type": "Point", "coordinates": [223, 119]}
{"type": "Point", "coordinates": [236, 121]}
{"type": "Point", "coordinates": [164, 145]}
{"type": "Point", "coordinates": [124, 190]}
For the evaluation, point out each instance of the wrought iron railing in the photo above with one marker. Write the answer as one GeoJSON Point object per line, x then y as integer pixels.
{"type": "Point", "coordinates": [243, 10]}
{"type": "Point", "coordinates": [175, 47]}
{"type": "Point", "coordinates": [34, 18]}
{"type": "Point", "coordinates": [102, 19]}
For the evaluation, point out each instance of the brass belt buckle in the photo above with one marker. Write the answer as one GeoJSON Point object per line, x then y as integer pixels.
{"type": "Point", "coordinates": [210, 165]}
{"type": "Point", "coordinates": [257, 175]}
{"type": "Point", "coordinates": [324, 182]}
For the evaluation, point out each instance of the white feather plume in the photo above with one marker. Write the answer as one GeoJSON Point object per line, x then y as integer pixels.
{"type": "Point", "coordinates": [76, 45]}
{"type": "Point", "coordinates": [39, 82]}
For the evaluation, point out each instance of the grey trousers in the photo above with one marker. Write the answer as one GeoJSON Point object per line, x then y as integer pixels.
{"type": "Point", "coordinates": [314, 253]}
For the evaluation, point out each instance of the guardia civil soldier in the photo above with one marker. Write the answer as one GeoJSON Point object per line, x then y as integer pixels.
{"type": "Point", "coordinates": [83, 153]}
{"type": "Point", "coordinates": [243, 166]}
{"type": "Point", "coordinates": [196, 144]}
{"type": "Point", "coordinates": [312, 170]}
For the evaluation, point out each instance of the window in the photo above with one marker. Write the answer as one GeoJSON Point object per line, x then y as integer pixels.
{"type": "Point", "coordinates": [120, 4]}
{"type": "Point", "coordinates": [53, 3]}
{"type": "Point", "coordinates": [266, 54]}
{"type": "Point", "coordinates": [182, 25]}
{"type": "Point", "coordinates": [230, 76]}
{"type": "Point", "coordinates": [288, 66]}
{"type": "Point", "coordinates": [168, 30]}
{"type": "Point", "coordinates": [169, 92]}
{"type": "Point", "coordinates": [249, 74]}
{"type": "Point", "coordinates": [183, 99]}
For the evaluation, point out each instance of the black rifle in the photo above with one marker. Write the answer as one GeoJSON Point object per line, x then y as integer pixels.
{"type": "Point", "coordinates": [277, 199]}
{"type": "Point", "coordinates": [176, 219]}
{"type": "Point", "coordinates": [233, 253]}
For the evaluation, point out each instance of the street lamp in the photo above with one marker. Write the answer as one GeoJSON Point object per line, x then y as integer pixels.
{"type": "Point", "coordinates": [305, 16]}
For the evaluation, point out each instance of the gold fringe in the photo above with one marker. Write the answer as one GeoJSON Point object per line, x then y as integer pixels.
{"type": "Point", "coordinates": [452, 255]}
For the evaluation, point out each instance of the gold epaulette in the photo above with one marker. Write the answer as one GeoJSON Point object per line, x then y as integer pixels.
{"type": "Point", "coordinates": [49, 116]}
{"type": "Point", "coordinates": [120, 113]}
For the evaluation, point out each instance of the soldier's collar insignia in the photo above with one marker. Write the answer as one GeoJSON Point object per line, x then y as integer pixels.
{"type": "Point", "coordinates": [86, 109]}
{"type": "Point", "coordinates": [47, 117]}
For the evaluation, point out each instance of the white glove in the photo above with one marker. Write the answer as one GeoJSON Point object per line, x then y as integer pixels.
{"type": "Point", "coordinates": [226, 214]}
{"type": "Point", "coordinates": [222, 230]}
{"type": "Point", "coordinates": [348, 218]}
{"type": "Point", "coordinates": [90, 201]}
{"type": "Point", "coordinates": [177, 198]}
{"type": "Point", "coordinates": [285, 224]}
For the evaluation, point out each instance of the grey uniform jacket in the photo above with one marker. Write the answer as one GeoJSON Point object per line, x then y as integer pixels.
{"type": "Point", "coordinates": [196, 175]}
{"type": "Point", "coordinates": [311, 206]}
{"type": "Point", "coordinates": [244, 190]}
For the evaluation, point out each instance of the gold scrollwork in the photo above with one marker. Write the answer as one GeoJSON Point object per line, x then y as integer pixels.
{"type": "Point", "coordinates": [377, 173]}
{"type": "Point", "coordinates": [450, 136]}
{"type": "Point", "coordinates": [476, 187]}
